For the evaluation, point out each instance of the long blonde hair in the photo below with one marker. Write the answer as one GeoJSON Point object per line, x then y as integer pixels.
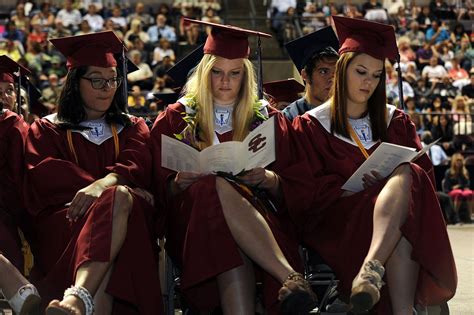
{"type": "Point", "coordinates": [199, 86]}
{"type": "Point", "coordinates": [453, 171]}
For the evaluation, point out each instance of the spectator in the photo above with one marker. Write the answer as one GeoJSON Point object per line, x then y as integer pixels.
{"type": "Point", "coordinates": [468, 90]}
{"type": "Point", "coordinates": [401, 20]}
{"type": "Point", "coordinates": [422, 93]}
{"type": "Point", "coordinates": [465, 53]}
{"type": "Point", "coordinates": [423, 55]}
{"type": "Point", "coordinates": [141, 15]}
{"type": "Point", "coordinates": [14, 34]}
{"type": "Point", "coordinates": [425, 18]}
{"type": "Point", "coordinates": [208, 4]}
{"type": "Point", "coordinates": [414, 114]}
{"type": "Point", "coordinates": [441, 10]}
{"type": "Point", "coordinates": [279, 10]}
{"type": "Point", "coordinates": [50, 95]}
{"type": "Point", "coordinates": [96, 22]}
{"type": "Point", "coordinates": [311, 19]}
{"type": "Point", "coordinates": [142, 77]}
{"type": "Point", "coordinates": [118, 19]}
{"type": "Point", "coordinates": [110, 26]}
{"type": "Point", "coordinates": [370, 5]}
{"type": "Point", "coordinates": [437, 34]}
{"type": "Point", "coordinates": [189, 31]}
{"type": "Point", "coordinates": [84, 28]}
{"type": "Point", "coordinates": [444, 130]}
{"type": "Point", "coordinates": [393, 92]}
{"type": "Point", "coordinates": [70, 17]}
{"type": "Point", "coordinates": [436, 153]}
{"type": "Point", "coordinates": [456, 72]}
{"type": "Point", "coordinates": [457, 183]}
{"type": "Point", "coordinates": [11, 49]}
{"type": "Point", "coordinates": [161, 69]}
{"type": "Point", "coordinates": [210, 16]}
{"type": "Point", "coordinates": [136, 30]}
{"type": "Point", "coordinates": [137, 102]}
{"type": "Point", "coordinates": [161, 30]}
{"type": "Point", "coordinates": [163, 49]}
{"type": "Point", "coordinates": [460, 109]}
{"type": "Point", "coordinates": [59, 30]}
{"type": "Point", "coordinates": [164, 9]}
{"type": "Point", "coordinates": [45, 17]}
{"type": "Point", "coordinates": [37, 35]}
{"type": "Point", "coordinates": [57, 68]}
{"type": "Point", "coordinates": [434, 70]}
{"type": "Point", "coordinates": [407, 55]}
{"type": "Point", "coordinates": [458, 34]}
{"type": "Point", "coordinates": [22, 22]}
{"type": "Point", "coordinates": [415, 35]}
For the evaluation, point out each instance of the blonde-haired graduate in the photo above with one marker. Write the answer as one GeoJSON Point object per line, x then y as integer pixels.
{"type": "Point", "coordinates": [221, 237]}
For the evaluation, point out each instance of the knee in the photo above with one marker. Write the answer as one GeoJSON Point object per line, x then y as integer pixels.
{"type": "Point", "coordinates": [123, 202]}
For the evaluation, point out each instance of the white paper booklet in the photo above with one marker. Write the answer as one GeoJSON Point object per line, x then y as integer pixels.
{"type": "Point", "coordinates": [257, 150]}
{"type": "Point", "coordinates": [384, 160]}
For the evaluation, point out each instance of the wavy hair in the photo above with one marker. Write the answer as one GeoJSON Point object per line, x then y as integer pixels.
{"type": "Point", "coordinates": [199, 85]}
{"type": "Point", "coordinates": [376, 104]}
{"type": "Point", "coordinates": [71, 110]}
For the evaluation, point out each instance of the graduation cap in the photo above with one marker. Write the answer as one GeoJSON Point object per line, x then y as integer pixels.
{"type": "Point", "coordinates": [375, 39]}
{"type": "Point", "coordinates": [180, 71]}
{"type": "Point", "coordinates": [13, 72]}
{"type": "Point", "coordinates": [96, 49]}
{"type": "Point", "coordinates": [284, 90]}
{"type": "Point", "coordinates": [231, 42]}
{"type": "Point", "coordinates": [303, 49]}
{"type": "Point", "coordinates": [34, 105]}
{"type": "Point", "coordinates": [167, 98]}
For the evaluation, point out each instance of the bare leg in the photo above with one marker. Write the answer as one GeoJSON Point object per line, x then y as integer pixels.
{"type": "Point", "coordinates": [10, 278]}
{"type": "Point", "coordinates": [91, 274]}
{"type": "Point", "coordinates": [237, 289]}
{"type": "Point", "coordinates": [251, 232]}
{"type": "Point", "coordinates": [103, 302]}
{"type": "Point", "coordinates": [390, 212]}
{"type": "Point", "coordinates": [402, 274]}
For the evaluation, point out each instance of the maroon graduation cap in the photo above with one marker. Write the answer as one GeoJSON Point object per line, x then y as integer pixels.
{"type": "Point", "coordinates": [284, 90]}
{"type": "Point", "coordinates": [357, 35]}
{"type": "Point", "coordinates": [9, 70]}
{"type": "Point", "coordinates": [95, 49]}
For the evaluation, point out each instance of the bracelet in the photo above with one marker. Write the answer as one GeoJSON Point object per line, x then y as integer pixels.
{"type": "Point", "coordinates": [84, 295]}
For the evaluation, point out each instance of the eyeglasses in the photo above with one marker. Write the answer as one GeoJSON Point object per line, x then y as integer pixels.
{"type": "Point", "coordinates": [7, 92]}
{"type": "Point", "coordinates": [99, 83]}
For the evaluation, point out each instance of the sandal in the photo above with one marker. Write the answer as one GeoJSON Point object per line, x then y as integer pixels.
{"type": "Point", "coordinates": [26, 300]}
{"type": "Point", "coordinates": [54, 308]}
{"type": "Point", "coordinates": [366, 286]}
{"type": "Point", "coordinates": [300, 301]}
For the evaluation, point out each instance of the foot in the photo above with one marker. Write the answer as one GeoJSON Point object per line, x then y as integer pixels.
{"type": "Point", "coordinates": [366, 286]}
{"type": "Point", "coordinates": [70, 305]}
{"type": "Point", "coordinates": [25, 300]}
{"type": "Point", "coordinates": [296, 295]}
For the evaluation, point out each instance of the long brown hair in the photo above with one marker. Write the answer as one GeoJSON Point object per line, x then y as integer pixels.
{"type": "Point", "coordinates": [376, 104]}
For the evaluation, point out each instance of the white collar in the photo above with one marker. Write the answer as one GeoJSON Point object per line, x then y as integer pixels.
{"type": "Point", "coordinates": [186, 101]}
{"type": "Point", "coordinates": [99, 131]}
{"type": "Point", "coordinates": [323, 114]}
{"type": "Point", "coordinates": [4, 110]}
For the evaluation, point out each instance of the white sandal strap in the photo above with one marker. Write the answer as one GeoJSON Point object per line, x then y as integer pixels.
{"type": "Point", "coordinates": [17, 301]}
{"type": "Point", "coordinates": [84, 295]}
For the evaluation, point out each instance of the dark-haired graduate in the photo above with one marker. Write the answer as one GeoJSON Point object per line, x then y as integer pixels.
{"type": "Point", "coordinates": [87, 167]}
{"type": "Point", "coordinates": [391, 225]}
{"type": "Point", "coordinates": [21, 295]}
{"type": "Point", "coordinates": [220, 236]}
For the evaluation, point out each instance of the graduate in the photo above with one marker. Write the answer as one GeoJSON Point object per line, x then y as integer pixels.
{"type": "Point", "coordinates": [315, 56]}
{"type": "Point", "coordinates": [87, 170]}
{"type": "Point", "coordinates": [21, 295]}
{"type": "Point", "coordinates": [392, 231]}
{"type": "Point", "coordinates": [281, 93]}
{"type": "Point", "coordinates": [221, 238]}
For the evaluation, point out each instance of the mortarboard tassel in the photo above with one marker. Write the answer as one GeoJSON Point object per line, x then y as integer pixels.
{"type": "Point", "coordinates": [260, 69]}
{"type": "Point", "coordinates": [400, 85]}
{"type": "Point", "coordinates": [18, 96]}
{"type": "Point", "coordinates": [124, 73]}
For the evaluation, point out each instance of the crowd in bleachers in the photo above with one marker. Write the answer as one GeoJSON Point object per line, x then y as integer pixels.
{"type": "Point", "coordinates": [153, 36]}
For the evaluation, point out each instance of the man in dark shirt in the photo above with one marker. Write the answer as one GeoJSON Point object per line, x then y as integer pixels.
{"type": "Point", "coordinates": [468, 90]}
{"type": "Point", "coordinates": [315, 56]}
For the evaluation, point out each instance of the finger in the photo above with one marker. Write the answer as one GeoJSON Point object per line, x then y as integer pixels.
{"type": "Point", "coordinates": [75, 206]}
{"type": "Point", "coordinates": [377, 175]}
{"type": "Point", "coordinates": [84, 208]}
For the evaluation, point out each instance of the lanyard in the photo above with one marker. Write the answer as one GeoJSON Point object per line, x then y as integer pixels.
{"type": "Point", "coordinates": [355, 137]}
{"type": "Point", "coordinates": [73, 150]}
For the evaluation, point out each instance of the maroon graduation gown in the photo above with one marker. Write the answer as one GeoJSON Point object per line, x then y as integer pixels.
{"type": "Point", "coordinates": [60, 247]}
{"type": "Point", "coordinates": [13, 131]}
{"type": "Point", "coordinates": [340, 228]}
{"type": "Point", "coordinates": [198, 238]}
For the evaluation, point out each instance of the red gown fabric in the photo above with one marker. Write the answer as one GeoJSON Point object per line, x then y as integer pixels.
{"type": "Point", "coordinates": [60, 247]}
{"type": "Point", "coordinates": [198, 238]}
{"type": "Point", "coordinates": [340, 228]}
{"type": "Point", "coordinates": [13, 131]}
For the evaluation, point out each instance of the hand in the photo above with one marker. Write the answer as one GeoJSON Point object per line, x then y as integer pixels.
{"type": "Point", "coordinates": [371, 179]}
{"type": "Point", "coordinates": [260, 177]}
{"type": "Point", "coordinates": [145, 195]}
{"type": "Point", "coordinates": [84, 199]}
{"type": "Point", "coordinates": [185, 179]}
